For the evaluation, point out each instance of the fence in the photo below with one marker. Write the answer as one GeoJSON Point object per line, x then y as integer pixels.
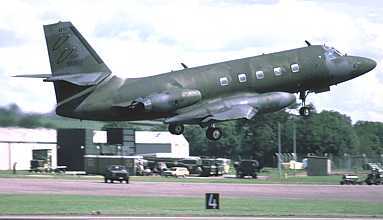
{"type": "Point", "coordinates": [354, 162]}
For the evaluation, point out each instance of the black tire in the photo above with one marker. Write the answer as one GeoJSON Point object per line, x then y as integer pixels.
{"type": "Point", "coordinates": [127, 181]}
{"type": "Point", "coordinates": [304, 111]}
{"type": "Point", "coordinates": [105, 180]}
{"type": "Point", "coordinates": [213, 134]}
{"type": "Point", "coordinates": [176, 129]}
{"type": "Point", "coordinates": [112, 181]}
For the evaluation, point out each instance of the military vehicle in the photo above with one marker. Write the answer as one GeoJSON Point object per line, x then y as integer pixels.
{"type": "Point", "coordinates": [247, 168]}
{"type": "Point", "coordinates": [116, 173]}
{"type": "Point", "coordinates": [374, 177]}
{"type": "Point", "coordinates": [192, 164]}
{"type": "Point", "coordinates": [205, 95]}
{"type": "Point", "coordinates": [212, 167]}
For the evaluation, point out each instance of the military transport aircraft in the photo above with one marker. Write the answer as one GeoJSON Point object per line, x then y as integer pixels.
{"type": "Point", "coordinates": [204, 95]}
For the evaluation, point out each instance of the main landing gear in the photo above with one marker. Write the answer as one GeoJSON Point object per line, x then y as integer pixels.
{"type": "Point", "coordinates": [176, 129]}
{"type": "Point", "coordinates": [304, 110]}
{"type": "Point", "coordinates": [212, 132]}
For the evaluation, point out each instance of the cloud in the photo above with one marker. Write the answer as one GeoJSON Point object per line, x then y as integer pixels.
{"type": "Point", "coordinates": [140, 38]}
{"type": "Point", "coordinates": [9, 39]}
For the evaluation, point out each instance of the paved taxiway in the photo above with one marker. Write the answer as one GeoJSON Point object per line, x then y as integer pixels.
{"type": "Point", "coordinates": [171, 218]}
{"type": "Point", "coordinates": [281, 191]}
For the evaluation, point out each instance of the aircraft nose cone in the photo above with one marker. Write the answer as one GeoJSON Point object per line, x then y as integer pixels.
{"type": "Point", "coordinates": [364, 65]}
{"type": "Point", "coordinates": [370, 64]}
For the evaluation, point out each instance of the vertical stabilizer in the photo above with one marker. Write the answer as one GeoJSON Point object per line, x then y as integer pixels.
{"type": "Point", "coordinates": [69, 52]}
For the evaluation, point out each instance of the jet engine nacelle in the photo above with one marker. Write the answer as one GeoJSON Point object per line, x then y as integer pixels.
{"type": "Point", "coordinates": [168, 100]}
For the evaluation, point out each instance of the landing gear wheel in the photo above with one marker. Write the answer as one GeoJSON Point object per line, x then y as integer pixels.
{"type": "Point", "coordinates": [213, 133]}
{"type": "Point", "coordinates": [176, 129]}
{"type": "Point", "coordinates": [304, 111]}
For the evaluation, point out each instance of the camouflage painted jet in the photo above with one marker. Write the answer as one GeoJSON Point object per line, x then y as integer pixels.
{"type": "Point", "coordinates": [204, 95]}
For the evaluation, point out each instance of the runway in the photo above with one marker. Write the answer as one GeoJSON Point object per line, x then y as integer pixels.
{"type": "Point", "coordinates": [170, 189]}
{"type": "Point", "coordinates": [169, 218]}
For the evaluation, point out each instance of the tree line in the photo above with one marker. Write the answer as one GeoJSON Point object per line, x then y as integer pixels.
{"type": "Point", "coordinates": [325, 132]}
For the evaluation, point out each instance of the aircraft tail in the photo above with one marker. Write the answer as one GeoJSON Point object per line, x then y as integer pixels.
{"type": "Point", "coordinates": [74, 64]}
{"type": "Point", "coordinates": [69, 52]}
{"type": "Point", "coordinates": [76, 67]}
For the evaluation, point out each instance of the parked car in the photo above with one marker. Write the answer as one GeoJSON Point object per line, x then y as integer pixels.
{"type": "Point", "coordinates": [177, 172]}
{"type": "Point", "coordinates": [116, 172]}
{"type": "Point", "coordinates": [349, 179]}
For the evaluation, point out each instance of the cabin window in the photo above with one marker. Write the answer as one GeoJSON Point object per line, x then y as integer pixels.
{"type": "Point", "coordinates": [223, 81]}
{"type": "Point", "coordinates": [259, 74]}
{"type": "Point", "coordinates": [295, 68]}
{"type": "Point", "coordinates": [242, 77]}
{"type": "Point", "coordinates": [277, 71]}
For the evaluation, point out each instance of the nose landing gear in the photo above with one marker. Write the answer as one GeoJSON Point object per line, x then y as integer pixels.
{"type": "Point", "coordinates": [304, 110]}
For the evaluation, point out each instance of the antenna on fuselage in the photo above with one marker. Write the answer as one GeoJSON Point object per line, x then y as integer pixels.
{"type": "Point", "coordinates": [184, 66]}
{"type": "Point", "coordinates": [308, 43]}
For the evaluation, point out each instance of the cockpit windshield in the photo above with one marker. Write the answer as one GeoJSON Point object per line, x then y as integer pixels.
{"type": "Point", "coordinates": [332, 53]}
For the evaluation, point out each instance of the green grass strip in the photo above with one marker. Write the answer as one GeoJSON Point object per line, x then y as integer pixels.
{"type": "Point", "coordinates": [176, 206]}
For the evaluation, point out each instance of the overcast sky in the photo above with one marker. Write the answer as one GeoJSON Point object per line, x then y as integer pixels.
{"type": "Point", "coordinates": [141, 38]}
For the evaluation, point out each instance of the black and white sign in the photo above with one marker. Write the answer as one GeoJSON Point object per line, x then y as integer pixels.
{"type": "Point", "coordinates": [212, 200]}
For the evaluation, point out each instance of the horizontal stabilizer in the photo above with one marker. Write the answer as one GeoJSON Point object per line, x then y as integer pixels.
{"type": "Point", "coordinates": [80, 79]}
{"type": "Point", "coordinates": [34, 76]}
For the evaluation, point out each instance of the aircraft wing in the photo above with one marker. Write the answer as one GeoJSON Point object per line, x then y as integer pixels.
{"type": "Point", "coordinates": [235, 112]}
{"type": "Point", "coordinates": [218, 111]}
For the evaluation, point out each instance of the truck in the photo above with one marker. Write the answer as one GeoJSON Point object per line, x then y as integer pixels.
{"type": "Point", "coordinates": [212, 167]}
{"type": "Point", "coordinates": [247, 168]}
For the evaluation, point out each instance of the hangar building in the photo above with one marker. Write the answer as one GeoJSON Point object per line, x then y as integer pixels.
{"type": "Point", "coordinates": [18, 146]}
{"type": "Point", "coordinates": [75, 144]}
{"type": "Point", "coordinates": [67, 147]}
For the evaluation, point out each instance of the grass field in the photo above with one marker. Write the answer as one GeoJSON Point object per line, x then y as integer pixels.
{"type": "Point", "coordinates": [149, 206]}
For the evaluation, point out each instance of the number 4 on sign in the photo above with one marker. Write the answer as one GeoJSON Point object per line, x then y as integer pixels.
{"type": "Point", "coordinates": [212, 201]}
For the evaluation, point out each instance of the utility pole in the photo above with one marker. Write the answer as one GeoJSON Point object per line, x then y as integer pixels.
{"type": "Point", "coordinates": [279, 151]}
{"type": "Point", "coordinates": [295, 141]}
{"type": "Point", "coordinates": [294, 144]}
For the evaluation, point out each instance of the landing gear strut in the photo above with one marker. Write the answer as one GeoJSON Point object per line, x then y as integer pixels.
{"type": "Point", "coordinates": [213, 133]}
{"type": "Point", "coordinates": [176, 129]}
{"type": "Point", "coordinates": [304, 110]}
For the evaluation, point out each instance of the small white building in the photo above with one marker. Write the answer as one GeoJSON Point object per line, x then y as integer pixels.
{"type": "Point", "coordinates": [161, 143]}
{"type": "Point", "coordinates": [21, 145]}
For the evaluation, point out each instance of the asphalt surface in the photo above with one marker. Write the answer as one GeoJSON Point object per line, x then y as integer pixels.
{"type": "Point", "coordinates": [171, 218]}
{"type": "Point", "coordinates": [166, 189]}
